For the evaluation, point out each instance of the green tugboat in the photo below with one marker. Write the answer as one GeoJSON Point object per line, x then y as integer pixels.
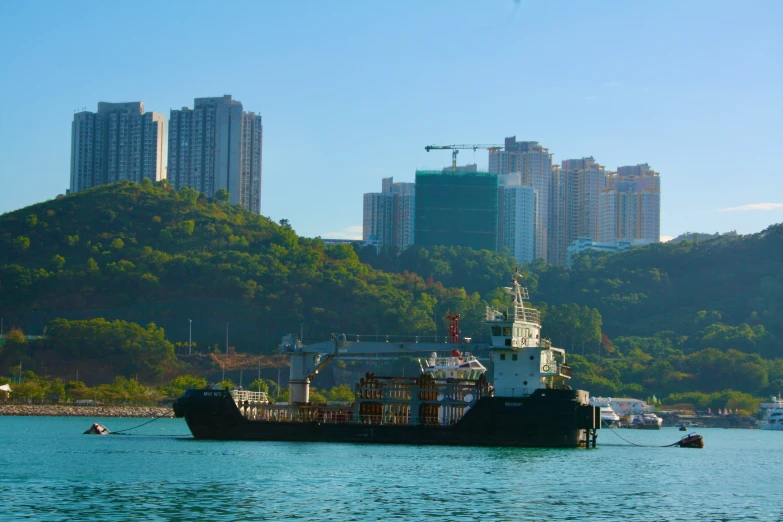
{"type": "Point", "coordinates": [525, 402]}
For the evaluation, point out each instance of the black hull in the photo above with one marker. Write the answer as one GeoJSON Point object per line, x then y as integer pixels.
{"type": "Point", "coordinates": [548, 418]}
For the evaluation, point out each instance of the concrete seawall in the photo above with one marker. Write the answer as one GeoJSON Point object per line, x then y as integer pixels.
{"type": "Point", "coordinates": [36, 410]}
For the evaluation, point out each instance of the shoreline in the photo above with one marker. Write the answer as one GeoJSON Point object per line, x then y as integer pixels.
{"type": "Point", "coordinates": [45, 410]}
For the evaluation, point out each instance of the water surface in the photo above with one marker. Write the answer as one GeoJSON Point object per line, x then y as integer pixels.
{"type": "Point", "coordinates": [50, 471]}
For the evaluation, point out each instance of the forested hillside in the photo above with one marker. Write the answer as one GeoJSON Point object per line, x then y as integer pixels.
{"type": "Point", "coordinates": [663, 319]}
{"type": "Point", "coordinates": [696, 315]}
{"type": "Point", "coordinates": [150, 254]}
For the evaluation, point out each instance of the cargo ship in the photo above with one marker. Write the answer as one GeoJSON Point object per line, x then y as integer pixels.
{"type": "Point", "coordinates": [524, 400]}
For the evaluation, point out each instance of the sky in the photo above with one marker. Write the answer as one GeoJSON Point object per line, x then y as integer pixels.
{"type": "Point", "coordinates": [351, 92]}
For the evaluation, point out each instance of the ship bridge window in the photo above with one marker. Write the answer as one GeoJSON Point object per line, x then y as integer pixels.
{"type": "Point", "coordinates": [496, 331]}
{"type": "Point", "coordinates": [507, 330]}
{"type": "Point", "coordinates": [514, 357]}
{"type": "Point", "coordinates": [502, 356]}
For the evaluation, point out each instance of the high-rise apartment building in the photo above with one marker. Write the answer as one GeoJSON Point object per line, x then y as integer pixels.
{"type": "Point", "coordinates": [119, 142]}
{"type": "Point", "coordinates": [576, 202]}
{"type": "Point", "coordinates": [216, 145]}
{"type": "Point", "coordinates": [534, 163]}
{"type": "Point", "coordinates": [516, 217]}
{"type": "Point", "coordinates": [456, 209]}
{"type": "Point", "coordinates": [388, 215]}
{"type": "Point", "coordinates": [637, 190]}
{"type": "Point", "coordinates": [250, 171]}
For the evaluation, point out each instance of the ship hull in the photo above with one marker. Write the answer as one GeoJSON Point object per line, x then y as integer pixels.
{"type": "Point", "coordinates": [551, 419]}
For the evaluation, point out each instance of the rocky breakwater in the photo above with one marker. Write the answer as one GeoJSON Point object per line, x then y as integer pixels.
{"type": "Point", "coordinates": [42, 410]}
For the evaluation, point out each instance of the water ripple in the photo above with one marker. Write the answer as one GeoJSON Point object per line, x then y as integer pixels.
{"type": "Point", "coordinates": [49, 471]}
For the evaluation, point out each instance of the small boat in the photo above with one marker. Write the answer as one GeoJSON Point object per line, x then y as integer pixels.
{"type": "Point", "coordinates": [646, 421]}
{"type": "Point", "coordinates": [683, 428]}
{"type": "Point", "coordinates": [692, 440]}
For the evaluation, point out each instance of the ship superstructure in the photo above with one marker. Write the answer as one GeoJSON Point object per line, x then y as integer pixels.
{"type": "Point", "coordinates": [523, 401]}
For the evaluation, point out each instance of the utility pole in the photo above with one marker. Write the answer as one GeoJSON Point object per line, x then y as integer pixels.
{"type": "Point", "coordinates": [226, 337]}
{"type": "Point", "coordinates": [190, 336]}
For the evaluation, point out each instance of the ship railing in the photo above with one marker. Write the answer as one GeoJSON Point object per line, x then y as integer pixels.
{"type": "Point", "coordinates": [521, 313]}
{"type": "Point", "coordinates": [528, 315]}
{"type": "Point", "coordinates": [383, 338]}
{"type": "Point", "coordinates": [250, 396]}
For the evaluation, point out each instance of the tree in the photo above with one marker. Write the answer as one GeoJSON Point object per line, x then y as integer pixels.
{"type": "Point", "coordinates": [259, 385]}
{"type": "Point", "coordinates": [22, 243]}
{"type": "Point", "coordinates": [317, 397]}
{"type": "Point", "coordinates": [177, 386]}
{"type": "Point", "coordinates": [92, 266]}
{"type": "Point", "coordinates": [58, 262]}
{"type": "Point", "coordinates": [222, 195]}
{"type": "Point", "coordinates": [228, 384]}
{"type": "Point", "coordinates": [341, 393]}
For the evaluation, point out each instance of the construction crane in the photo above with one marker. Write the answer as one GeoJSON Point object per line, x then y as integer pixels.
{"type": "Point", "coordinates": [456, 148]}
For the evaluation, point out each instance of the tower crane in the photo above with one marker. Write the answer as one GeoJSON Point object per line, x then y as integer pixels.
{"type": "Point", "coordinates": [456, 148]}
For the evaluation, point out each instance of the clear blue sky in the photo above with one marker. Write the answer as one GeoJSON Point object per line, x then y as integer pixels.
{"type": "Point", "coordinates": [351, 92]}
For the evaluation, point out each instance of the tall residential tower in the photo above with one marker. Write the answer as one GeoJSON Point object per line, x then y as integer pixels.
{"type": "Point", "coordinates": [388, 215]}
{"type": "Point", "coordinates": [119, 142]}
{"type": "Point", "coordinates": [534, 163]}
{"type": "Point", "coordinates": [216, 145]}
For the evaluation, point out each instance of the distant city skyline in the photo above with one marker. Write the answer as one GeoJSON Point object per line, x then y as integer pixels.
{"type": "Point", "coordinates": [348, 102]}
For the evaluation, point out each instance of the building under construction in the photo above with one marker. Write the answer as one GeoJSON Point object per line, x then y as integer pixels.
{"type": "Point", "coordinates": [456, 209]}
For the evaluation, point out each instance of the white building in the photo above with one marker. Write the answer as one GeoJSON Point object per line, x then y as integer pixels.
{"type": "Point", "coordinates": [119, 142]}
{"type": "Point", "coordinates": [516, 217]}
{"type": "Point", "coordinates": [388, 216]}
{"type": "Point", "coordinates": [216, 145]}
{"type": "Point", "coordinates": [622, 406]}
{"type": "Point", "coordinates": [584, 244]}
{"type": "Point", "coordinates": [534, 163]}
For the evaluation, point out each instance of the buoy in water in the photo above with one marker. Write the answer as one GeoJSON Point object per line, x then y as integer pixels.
{"type": "Point", "coordinates": [97, 429]}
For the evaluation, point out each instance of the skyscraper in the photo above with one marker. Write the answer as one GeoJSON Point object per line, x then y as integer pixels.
{"type": "Point", "coordinates": [516, 218]}
{"type": "Point", "coordinates": [638, 192]}
{"type": "Point", "coordinates": [456, 209]}
{"type": "Point", "coordinates": [119, 142]}
{"type": "Point", "coordinates": [217, 146]}
{"type": "Point", "coordinates": [576, 199]}
{"type": "Point", "coordinates": [388, 215]}
{"type": "Point", "coordinates": [534, 163]}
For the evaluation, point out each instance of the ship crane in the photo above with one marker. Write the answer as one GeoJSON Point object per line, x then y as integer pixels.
{"type": "Point", "coordinates": [456, 148]}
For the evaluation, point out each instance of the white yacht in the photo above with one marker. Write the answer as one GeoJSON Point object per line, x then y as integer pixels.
{"type": "Point", "coordinates": [773, 419]}
{"type": "Point", "coordinates": [608, 416]}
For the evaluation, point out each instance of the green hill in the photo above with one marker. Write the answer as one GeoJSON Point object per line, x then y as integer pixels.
{"type": "Point", "coordinates": [147, 253]}
{"type": "Point", "coordinates": [668, 318]}
{"type": "Point", "coordinates": [675, 318]}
